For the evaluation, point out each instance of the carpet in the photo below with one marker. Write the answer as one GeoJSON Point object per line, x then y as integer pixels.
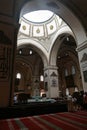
{"type": "Point", "coordinates": [56, 121]}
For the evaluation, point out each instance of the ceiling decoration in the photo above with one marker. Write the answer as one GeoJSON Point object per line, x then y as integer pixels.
{"type": "Point", "coordinates": [38, 16]}
{"type": "Point", "coordinates": [40, 29]}
{"type": "Point", "coordinates": [25, 27]}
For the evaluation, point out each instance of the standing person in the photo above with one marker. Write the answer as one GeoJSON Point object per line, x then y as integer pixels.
{"type": "Point", "coordinates": [74, 101]}
{"type": "Point", "coordinates": [80, 101]}
{"type": "Point", "coordinates": [85, 100]}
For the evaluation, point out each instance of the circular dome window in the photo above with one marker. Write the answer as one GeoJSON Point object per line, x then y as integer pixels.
{"type": "Point", "coordinates": [38, 16]}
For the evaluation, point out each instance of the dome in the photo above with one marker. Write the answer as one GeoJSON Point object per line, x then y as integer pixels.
{"type": "Point", "coordinates": [38, 16]}
{"type": "Point", "coordinates": [39, 24]}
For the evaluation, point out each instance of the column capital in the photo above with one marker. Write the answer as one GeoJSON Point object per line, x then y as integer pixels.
{"type": "Point", "coordinates": [52, 67]}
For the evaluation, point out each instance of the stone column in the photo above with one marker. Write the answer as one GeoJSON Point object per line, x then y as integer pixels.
{"type": "Point", "coordinates": [82, 53]}
{"type": "Point", "coordinates": [51, 81]}
{"type": "Point", "coordinates": [13, 62]}
{"type": "Point", "coordinates": [36, 87]}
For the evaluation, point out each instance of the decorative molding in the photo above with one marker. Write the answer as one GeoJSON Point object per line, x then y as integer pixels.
{"type": "Point", "coordinates": [5, 58]}
{"type": "Point", "coordinates": [54, 83]}
{"type": "Point", "coordinates": [82, 46]}
{"type": "Point", "coordinates": [54, 74]}
{"type": "Point", "coordinates": [84, 58]}
{"type": "Point", "coordinates": [45, 75]}
{"type": "Point", "coordinates": [51, 67]}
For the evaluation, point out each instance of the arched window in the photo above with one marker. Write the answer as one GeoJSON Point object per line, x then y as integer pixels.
{"type": "Point", "coordinates": [66, 72]}
{"type": "Point", "coordinates": [76, 89]}
{"type": "Point", "coordinates": [67, 91]}
{"type": "Point", "coordinates": [41, 78]}
{"type": "Point", "coordinates": [73, 70]}
{"type": "Point", "coordinates": [18, 75]}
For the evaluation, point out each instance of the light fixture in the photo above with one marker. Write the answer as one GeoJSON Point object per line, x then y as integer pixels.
{"type": "Point", "coordinates": [67, 91]}
{"type": "Point", "coordinates": [67, 38]}
{"type": "Point", "coordinates": [20, 51]}
{"type": "Point", "coordinates": [41, 78]}
{"type": "Point", "coordinates": [30, 52]}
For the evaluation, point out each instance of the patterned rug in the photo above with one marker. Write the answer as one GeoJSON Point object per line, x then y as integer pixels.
{"type": "Point", "coordinates": [56, 121]}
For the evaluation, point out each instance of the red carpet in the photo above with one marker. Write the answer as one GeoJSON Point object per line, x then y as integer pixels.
{"type": "Point", "coordinates": [57, 121]}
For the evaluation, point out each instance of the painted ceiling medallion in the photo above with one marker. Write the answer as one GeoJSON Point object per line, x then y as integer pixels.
{"type": "Point", "coordinates": [38, 30]}
{"type": "Point", "coordinates": [51, 27]}
{"type": "Point", "coordinates": [24, 27]}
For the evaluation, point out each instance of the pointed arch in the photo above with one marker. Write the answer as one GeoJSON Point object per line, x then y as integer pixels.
{"type": "Point", "coordinates": [38, 48]}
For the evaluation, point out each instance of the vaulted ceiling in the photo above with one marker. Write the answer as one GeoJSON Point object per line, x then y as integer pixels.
{"type": "Point", "coordinates": [79, 7]}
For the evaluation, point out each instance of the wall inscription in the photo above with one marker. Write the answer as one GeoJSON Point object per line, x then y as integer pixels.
{"type": "Point", "coordinates": [4, 62]}
{"type": "Point", "coordinates": [5, 56]}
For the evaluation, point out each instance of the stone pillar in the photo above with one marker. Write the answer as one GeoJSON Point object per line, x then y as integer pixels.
{"type": "Point", "coordinates": [51, 81]}
{"type": "Point", "coordinates": [82, 53]}
{"type": "Point", "coordinates": [36, 87]}
{"type": "Point", "coordinates": [13, 62]}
